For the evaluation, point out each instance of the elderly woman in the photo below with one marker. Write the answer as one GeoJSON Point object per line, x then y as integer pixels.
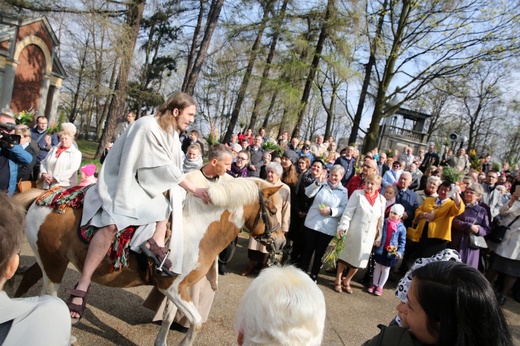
{"type": "Point", "coordinates": [330, 199]}
{"type": "Point", "coordinates": [360, 223]}
{"type": "Point", "coordinates": [257, 252]}
{"type": "Point", "coordinates": [506, 255]}
{"type": "Point", "coordinates": [430, 190]}
{"type": "Point", "coordinates": [60, 166]}
{"type": "Point", "coordinates": [434, 219]}
{"type": "Point", "coordinates": [474, 220]}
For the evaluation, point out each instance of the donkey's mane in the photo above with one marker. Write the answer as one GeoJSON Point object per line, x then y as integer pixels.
{"type": "Point", "coordinates": [230, 194]}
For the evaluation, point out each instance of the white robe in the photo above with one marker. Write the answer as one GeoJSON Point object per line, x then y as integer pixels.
{"type": "Point", "coordinates": [143, 164]}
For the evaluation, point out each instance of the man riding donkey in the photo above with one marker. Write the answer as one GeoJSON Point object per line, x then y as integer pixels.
{"type": "Point", "coordinates": [140, 185]}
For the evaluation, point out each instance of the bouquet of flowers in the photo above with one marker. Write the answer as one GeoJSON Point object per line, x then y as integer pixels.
{"type": "Point", "coordinates": [332, 254]}
{"type": "Point", "coordinates": [391, 249]}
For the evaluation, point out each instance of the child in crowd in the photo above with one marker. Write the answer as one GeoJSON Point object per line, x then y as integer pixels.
{"type": "Point", "coordinates": [42, 320]}
{"type": "Point", "coordinates": [193, 159]}
{"type": "Point", "coordinates": [87, 174]}
{"type": "Point", "coordinates": [390, 191]}
{"type": "Point", "coordinates": [389, 249]}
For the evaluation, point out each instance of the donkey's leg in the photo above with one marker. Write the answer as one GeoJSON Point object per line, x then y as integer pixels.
{"type": "Point", "coordinates": [169, 314]}
{"type": "Point", "coordinates": [189, 310]}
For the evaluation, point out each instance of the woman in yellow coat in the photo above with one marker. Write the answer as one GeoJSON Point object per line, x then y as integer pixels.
{"type": "Point", "coordinates": [434, 218]}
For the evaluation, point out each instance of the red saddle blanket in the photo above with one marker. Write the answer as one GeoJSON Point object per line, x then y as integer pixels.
{"type": "Point", "coordinates": [60, 198]}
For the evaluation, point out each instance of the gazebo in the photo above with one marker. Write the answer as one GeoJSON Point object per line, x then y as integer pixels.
{"type": "Point", "coordinates": [405, 129]}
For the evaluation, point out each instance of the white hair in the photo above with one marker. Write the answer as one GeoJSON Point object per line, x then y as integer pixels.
{"type": "Point", "coordinates": [275, 167]}
{"type": "Point", "coordinates": [69, 127]}
{"type": "Point", "coordinates": [435, 179]}
{"type": "Point", "coordinates": [283, 306]}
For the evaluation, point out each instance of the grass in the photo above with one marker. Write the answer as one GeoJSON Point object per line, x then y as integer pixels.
{"type": "Point", "coordinates": [88, 149]}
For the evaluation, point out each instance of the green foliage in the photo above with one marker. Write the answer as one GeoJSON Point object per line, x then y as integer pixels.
{"type": "Point", "coordinates": [496, 166]}
{"type": "Point", "coordinates": [330, 258]}
{"type": "Point", "coordinates": [24, 118]}
{"type": "Point", "coordinates": [474, 159]}
{"type": "Point", "coordinates": [271, 146]}
{"type": "Point", "coordinates": [451, 175]}
{"type": "Point", "coordinates": [55, 126]}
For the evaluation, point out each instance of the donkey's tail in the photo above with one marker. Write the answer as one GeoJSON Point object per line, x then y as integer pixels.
{"type": "Point", "coordinates": [27, 198]}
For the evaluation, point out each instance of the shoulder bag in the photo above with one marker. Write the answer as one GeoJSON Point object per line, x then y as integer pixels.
{"type": "Point", "coordinates": [477, 241]}
{"type": "Point", "coordinates": [499, 231]}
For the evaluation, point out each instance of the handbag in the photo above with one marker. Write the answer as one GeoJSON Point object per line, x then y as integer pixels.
{"type": "Point", "coordinates": [477, 242]}
{"type": "Point", "coordinates": [499, 231]}
{"type": "Point", "coordinates": [413, 233]}
{"type": "Point", "coordinates": [24, 185]}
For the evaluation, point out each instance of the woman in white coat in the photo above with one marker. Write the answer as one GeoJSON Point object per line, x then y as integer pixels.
{"type": "Point", "coordinates": [506, 255]}
{"type": "Point", "coordinates": [361, 223]}
{"type": "Point", "coordinates": [60, 166]}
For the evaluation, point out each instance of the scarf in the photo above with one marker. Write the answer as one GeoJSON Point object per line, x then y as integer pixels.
{"type": "Point", "coordinates": [238, 172]}
{"type": "Point", "coordinates": [391, 227]}
{"type": "Point", "coordinates": [191, 165]}
{"type": "Point", "coordinates": [60, 150]}
{"type": "Point", "coordinates": [389, 203]}
{"type": "Point", "coordinates": [372, 199]}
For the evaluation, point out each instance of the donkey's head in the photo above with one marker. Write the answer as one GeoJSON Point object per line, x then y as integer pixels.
{"type": "Point", "coordinates": [263, 223]}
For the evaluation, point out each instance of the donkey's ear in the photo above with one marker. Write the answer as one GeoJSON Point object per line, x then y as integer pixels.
{"type": "Point", "coordinates": [271, 190]}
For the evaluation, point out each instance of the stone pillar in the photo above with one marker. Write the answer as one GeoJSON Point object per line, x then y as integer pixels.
{"type": "Point", "coordinates": [8, 83]}
{"type": "Point", "coordinates": [57, 83]}
{"type": "Point", "coordinates": [42, 103]}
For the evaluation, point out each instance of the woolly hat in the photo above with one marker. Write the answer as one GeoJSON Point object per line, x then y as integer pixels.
{"type": "Point", "coordinates": [89, 169]}
{"type": "Point", "coordinates": [398, 209]}
{"type": "Point", "coordinates": [291, 155]}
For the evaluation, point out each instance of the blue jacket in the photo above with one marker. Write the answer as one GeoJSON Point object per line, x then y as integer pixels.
{"type": "Point", "coordinates": [398, 238]}
{"type": "Point", "coordinates": [16, 155]}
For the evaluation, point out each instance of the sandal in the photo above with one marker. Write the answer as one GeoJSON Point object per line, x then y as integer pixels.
{"type": "Point", "coordinates": [158, 255]}
{"type": "Point", "coordinates": [347, 288]}
{"type": "Point", "coordinates": [338, 288]}
{"type": "Point", "coordinates": [79, 309]}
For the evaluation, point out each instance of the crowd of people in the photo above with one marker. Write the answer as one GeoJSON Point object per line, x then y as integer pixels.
{"type": "Point", "coordinates": [388, 207]}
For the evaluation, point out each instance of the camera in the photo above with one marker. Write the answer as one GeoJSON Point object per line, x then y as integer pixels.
{"type": "Point", "coordinates": [7, 140]}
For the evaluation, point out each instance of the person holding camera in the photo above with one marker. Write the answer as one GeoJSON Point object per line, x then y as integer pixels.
{"type": "Point", "coordinates": [12, 153]}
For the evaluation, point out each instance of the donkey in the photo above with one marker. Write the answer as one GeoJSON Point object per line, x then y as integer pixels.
{"type": "Point", "coordinates": [242, 203]}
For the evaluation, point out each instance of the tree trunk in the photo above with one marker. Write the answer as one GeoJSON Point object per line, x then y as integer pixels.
{"type": "Point", "coordinates": [245, 81]}
{"type": "Point", "coordinates": [368, 73]}
{"type": "Point", "coordinates": [214, 13]}
{"type": "Point", "coordinates": [267, 68]}
{"type": "Point", "coordinates": [380, 109]}
{"type": "Point", "coordinates": [194, 46]}
{"type": "Point", "coordinates": [314, 67]}
{"type": "Point", "coordinates": [134, 15]}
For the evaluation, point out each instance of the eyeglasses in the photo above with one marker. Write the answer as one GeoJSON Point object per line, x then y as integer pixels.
{"type": "Point", "coordinates": [301, 163]}
{"type": "Point", "coordinates": [241, 158]}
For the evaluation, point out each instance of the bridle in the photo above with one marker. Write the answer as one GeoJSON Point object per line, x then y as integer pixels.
{"type": "Point", "coordinates": [266, 237]}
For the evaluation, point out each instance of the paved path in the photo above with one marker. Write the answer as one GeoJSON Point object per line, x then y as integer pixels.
{"type": "Point", "coordinates": [116, 316]}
